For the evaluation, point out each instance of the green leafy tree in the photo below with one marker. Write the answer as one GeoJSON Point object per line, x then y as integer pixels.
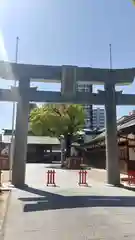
{"type": "Point", "coordinates": [56, 120]}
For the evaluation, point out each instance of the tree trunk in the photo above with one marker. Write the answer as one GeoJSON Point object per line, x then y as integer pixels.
{"type": "Point", "coordinates": [62, 141]}
{"type": "Point", "coordinates": [68, 140]}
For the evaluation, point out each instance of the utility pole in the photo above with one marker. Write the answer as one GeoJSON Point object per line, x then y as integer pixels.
{"type": "Point", "coordinates": [13, 116]}
{"type": "Point", "coordinates": [110, 48]}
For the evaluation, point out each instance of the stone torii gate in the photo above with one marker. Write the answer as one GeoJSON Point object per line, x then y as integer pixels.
{"type": "Point", "coordinates": [68, 76]}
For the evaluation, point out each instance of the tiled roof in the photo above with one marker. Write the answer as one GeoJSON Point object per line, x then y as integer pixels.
{"type": "Point", "coordinates": [120, 128]}
{"type": "Point", "coordinates": [35, 140]}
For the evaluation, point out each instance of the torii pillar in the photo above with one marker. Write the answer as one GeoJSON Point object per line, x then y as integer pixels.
{"type": "Point", "coordinates": [112, 159]}
{"type": "Point", "coordinates": [21, 131]}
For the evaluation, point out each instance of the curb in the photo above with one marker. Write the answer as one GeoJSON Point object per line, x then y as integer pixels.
{"type": "Point", "coordinates": [2, 227]}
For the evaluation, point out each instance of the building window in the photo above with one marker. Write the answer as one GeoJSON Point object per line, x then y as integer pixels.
{"type": "Point", "coordinates": [83, 88]}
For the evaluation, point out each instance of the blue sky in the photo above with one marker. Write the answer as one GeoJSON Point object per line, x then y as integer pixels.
{"type": "Point", "coordinates": [76, 32]}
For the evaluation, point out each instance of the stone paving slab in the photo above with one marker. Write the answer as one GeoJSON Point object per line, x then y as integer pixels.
{"type": "Point", "coordinates": [69, 212]}
{"type": "Point", "coordinates": [98, 222]}
{"type": "Point", "coordinates": [4, 197]}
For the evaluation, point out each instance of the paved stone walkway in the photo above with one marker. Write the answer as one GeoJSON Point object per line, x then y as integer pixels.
{"type": "Point", "coordinates": [69, 212]}
{"type": "Point", "coordinates": [3, 203]}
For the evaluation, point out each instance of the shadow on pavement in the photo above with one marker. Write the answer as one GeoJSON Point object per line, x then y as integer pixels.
{"type": "Point", "coordinates": [128, 187]}
{"type": "Point", "coordinates": [52, 201]}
